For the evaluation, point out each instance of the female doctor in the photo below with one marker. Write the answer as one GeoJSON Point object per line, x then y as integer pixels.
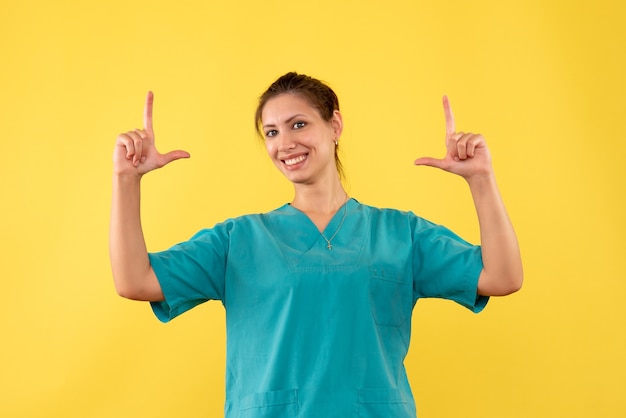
{"type": "Point", "coordinates": [319, 292]}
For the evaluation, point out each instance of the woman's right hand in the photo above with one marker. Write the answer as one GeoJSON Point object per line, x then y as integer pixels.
{"type": "Point", "coordinates": [135, 152]}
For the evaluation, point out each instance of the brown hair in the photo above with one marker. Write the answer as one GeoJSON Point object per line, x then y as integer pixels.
{"type": "Point", "coordinates": [315, 92]}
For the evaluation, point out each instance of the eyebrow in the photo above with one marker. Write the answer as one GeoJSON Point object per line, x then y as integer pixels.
{"type": "Point", "coordinates": [271, 125]}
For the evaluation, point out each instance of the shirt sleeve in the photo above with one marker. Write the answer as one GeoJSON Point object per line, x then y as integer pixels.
{"type": "Point", "coordinates": [191, 272]}
{"type": "Point", "coordinates": [445, 266]}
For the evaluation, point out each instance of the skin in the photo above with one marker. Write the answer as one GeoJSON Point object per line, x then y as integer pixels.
{"type": "Point", "coordinates": [134, 155]}
{"type": "Point", "coordinates": [294, 130]}
{"type": "Point", "coordinates": [467, 155]}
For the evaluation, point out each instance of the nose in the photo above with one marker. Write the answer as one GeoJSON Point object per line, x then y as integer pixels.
{"type": "Point", "coordinates": [285, 141]}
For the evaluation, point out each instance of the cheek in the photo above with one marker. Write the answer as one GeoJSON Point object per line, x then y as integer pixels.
{"type": "Point", "coordinates": [271, 150]}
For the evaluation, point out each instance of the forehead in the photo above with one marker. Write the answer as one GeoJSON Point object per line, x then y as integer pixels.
{"type": "Point", "coordinates": [283, 106]}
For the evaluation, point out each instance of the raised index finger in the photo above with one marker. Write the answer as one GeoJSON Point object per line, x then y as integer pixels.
{"type": "Point", "coordinates": [147, 113]}
{"type": "Point", "coordinates": [447, 110]}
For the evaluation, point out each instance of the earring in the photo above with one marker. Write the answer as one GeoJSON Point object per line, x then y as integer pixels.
{"type": "Point", "coordinates": [336, 143]}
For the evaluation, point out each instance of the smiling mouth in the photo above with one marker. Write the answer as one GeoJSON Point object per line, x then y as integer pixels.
{"type": "Point", "coordinates": [295, 160]}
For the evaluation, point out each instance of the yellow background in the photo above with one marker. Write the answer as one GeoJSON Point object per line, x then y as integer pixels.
{"type": "Point", "coordinates": [543, 81]}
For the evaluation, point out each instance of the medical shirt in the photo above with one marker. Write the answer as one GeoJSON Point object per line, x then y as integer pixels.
{"type": "Point", "coordinates": [313, 332]}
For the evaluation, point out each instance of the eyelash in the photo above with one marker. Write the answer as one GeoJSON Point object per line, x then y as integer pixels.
{"type": "Point", "coordinates": [274, 132]}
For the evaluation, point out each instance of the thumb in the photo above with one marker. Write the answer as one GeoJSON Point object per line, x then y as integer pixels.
{"type": "Point", "coordinates": [430, 162]}
{"type": "Point", "coordinates": [174, 155]}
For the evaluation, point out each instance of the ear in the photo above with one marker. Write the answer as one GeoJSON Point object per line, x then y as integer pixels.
{"type": "Point", "coordinates": [337, 123]}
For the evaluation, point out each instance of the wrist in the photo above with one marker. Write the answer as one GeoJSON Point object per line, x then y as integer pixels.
{"type": "Point", "coordinates": [126, 178]}
{"type": "Point", "coordinates": [481, 181]}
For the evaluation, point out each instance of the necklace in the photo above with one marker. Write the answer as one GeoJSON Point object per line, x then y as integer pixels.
{"type": "Point", "coordinates": [328, 240]}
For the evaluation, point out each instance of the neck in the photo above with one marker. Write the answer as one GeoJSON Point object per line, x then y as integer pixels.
{"type": "Point", "coordinates": [320, 199]}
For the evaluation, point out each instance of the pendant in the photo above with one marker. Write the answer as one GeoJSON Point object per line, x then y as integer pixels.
{"type": "Point", "coordinates": [329, 246]}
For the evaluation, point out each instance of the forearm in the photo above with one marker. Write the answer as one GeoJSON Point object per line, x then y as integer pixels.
{"type": "Point", "coordinates": [503, 272]}
{"type": "Point", "coordinates": [127, 248]}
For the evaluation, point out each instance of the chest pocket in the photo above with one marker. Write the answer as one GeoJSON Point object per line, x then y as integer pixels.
{"type": "Point", "coordinates": [390, 297]}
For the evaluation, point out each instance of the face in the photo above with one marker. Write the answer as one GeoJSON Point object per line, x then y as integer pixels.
{"type": "Point", "coordinates": [300, 143]}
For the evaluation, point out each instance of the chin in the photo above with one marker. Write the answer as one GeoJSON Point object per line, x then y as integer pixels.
{"type": "Point", "coordinates": [297, 178]}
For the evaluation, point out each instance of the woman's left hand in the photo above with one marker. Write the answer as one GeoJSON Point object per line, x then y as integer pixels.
{"type": "Point", "coordinates": [467, 154]}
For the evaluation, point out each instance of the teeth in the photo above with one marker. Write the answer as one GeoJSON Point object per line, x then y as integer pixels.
{"type": "Point", "coordinates": [296, 160]}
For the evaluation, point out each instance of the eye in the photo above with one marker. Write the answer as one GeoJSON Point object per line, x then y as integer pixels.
{"type": "Point", "coordinates": [271, 133]}
{"type": "Point", "coordinates": [299, 125]}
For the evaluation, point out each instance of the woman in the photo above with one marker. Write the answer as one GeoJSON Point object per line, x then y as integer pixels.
{"type": "Point", "coordinates": [319, 292]}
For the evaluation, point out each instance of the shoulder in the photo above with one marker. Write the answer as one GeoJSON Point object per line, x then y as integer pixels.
{"type": "Point", "coordinates": [386, 214]}
{"type": "Point", "coordinates": [245, 222]}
